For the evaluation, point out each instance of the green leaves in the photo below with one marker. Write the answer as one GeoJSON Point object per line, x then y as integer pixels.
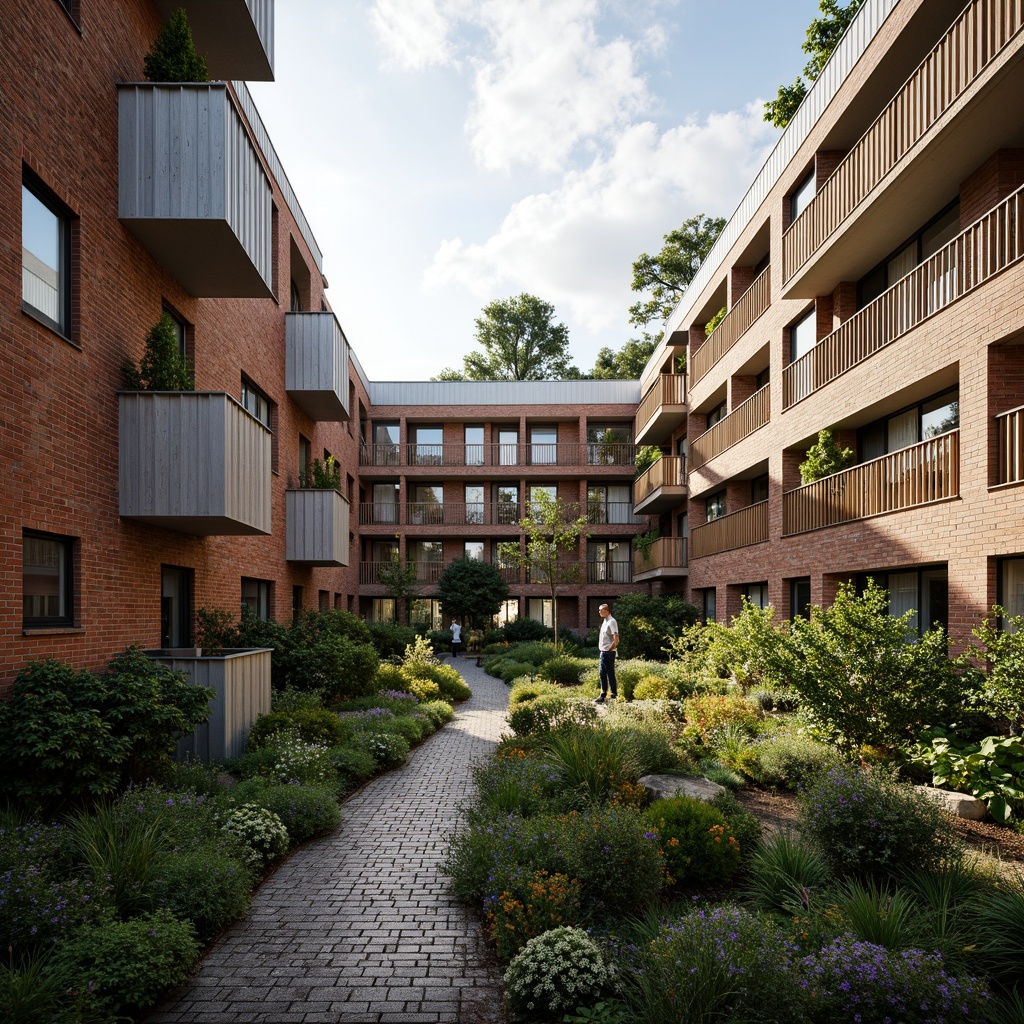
{"type": "Point", "coordinates": [173, 57]}
{"type": "Point", "coordinates": [471, 589]}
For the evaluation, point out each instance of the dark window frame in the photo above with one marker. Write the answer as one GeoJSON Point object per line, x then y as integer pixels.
{"type": "Point", "coordinates": [68, 584]}
{"type": "Point", "coordinates": [67, 293]}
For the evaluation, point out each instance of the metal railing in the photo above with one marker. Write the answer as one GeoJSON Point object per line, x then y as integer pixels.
{"type": "Point", "coordinates": [736, 530]}
{"type": "Point", "coordinates": [668, 471]}
{"type": "Point", "coordinates": [988, 246]}
{"type": "Point", "coordinates": [437, 513]}
{"type": "Point", "coordinates": [978, 37]}
{"type": "Point", "coordinates": [747, 417]}
{"type": "Point", "coordinates": [1010, 430]}
{"type": "Point", "coordinates": [744, 313]}
{"type": "Point", "coordinates": [664, 553]}
{"type": "Point", "coordinates": [668, 389]}
{"type": "Point", "coordinates": [609, 572]}
{"type": "Point", "coordinates": [615, 453]}
{"type": "Point", "coordinates": [923, 473]}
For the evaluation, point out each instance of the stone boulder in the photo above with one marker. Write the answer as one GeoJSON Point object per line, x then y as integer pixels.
{"type": "Point", "coordinates": [961, 805]}
{"type": "Point", "coordinates": [663, 786]}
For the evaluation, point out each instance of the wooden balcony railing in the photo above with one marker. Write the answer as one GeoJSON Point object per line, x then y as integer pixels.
{"type": "Point", "coordinates": [613, 513]}
{"type": "Point", "coordinates": [664, 553]}
{"type": "Point", "coordinates": [669, 389]}
{"type": "Point", "coordinates": [668, 471]}
{"type": "Point", "coordinates": [736, 530]}
{"type": "Point", "coordinates": [618, 453]}
{"type": "Point", "coordinates": [609, 572]}
{"type": "Point", "coordinates": [988, 246]}
{"type": "Point", "coordinates": [747, 417]}
{"type": "Point", "coordinates": [1010, 428]}
{"type": "Point", "coordinates": [979, 35]}
{"type": "Point", "coordinates": [924, 472]}
{"type": "Point", "coordinates": [745, 311]}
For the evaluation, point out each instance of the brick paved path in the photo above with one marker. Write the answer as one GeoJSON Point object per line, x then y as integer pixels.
{"type": "Point", "coordinates": [358, 926]}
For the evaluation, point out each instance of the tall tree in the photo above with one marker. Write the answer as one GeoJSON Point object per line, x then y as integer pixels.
{"type": "Point", "coordinates": [520, 341]}
{"type": "Point", "coordinates": [667, 275]}
{"type": "Point", "coordinates": [626, 364]}
{"type": "Point", "coordinates": [400, 582]}
{"type": "Point", "coordinates": [552, 547]}
{"type": "Point", "coordinates": [471, 589]}
{"type": "Point", "coordinates": [823, 35]}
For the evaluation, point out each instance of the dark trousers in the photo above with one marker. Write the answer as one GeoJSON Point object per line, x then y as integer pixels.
{"type": "Point", "coordinates": [455, 648]}
{"type": "Point", "coordinates": [606, 663]}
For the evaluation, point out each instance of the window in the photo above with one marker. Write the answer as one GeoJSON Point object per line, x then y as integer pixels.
{"type": "Point", "coordinates": [256, 598]}
{"type": "Point", "coordinates": [708, 604]}
{"type": "Point", "coordinates": [181, 331]}
{"type": "Point", "coordinates": [323, 600]}
{"type": "Point", "coordinates": [425, 612]}
{"type": "Point", "coordinates": [540, 609]}
{"type": "Point", "coordinates": [427, 505]}
{"type": "Point", "coordinates": [382, 609]}
{"type": "Point", "coordinates": [803, 336]}
{"type": "Point", "coordinates": [429, 449]}
{"type": "Point", "coordinates": [427, 555]}
{"type": "Point", "coordinates": [474, 439]}
{"type": "Point", "coordinates": [509, 571]}
{"type": "Point", "coordinates": [295, 298]}
{"type": "Point", "coordinates": [543, 446]}
{"type": "Point", "coordinates": [759, 489]}
{"type": "Point", "coordinates": [384, 551]}
{"type": "Point", "coordinates": [385, 503]}
{"type": "Point", "coordinates": [609, 444]}
{"type": "Point", "coordinates": [509, 612]}
{"type": "Point", "coordinates": [474, 494]}
{"type": "Point", "coordinates": [508, 447]}
{"type": "Point", "coordinates": [715, 504]}
{"type": "Point", "coordinates": [47, 575]}
{"type": "Point", "coordinates": [610, 503]}
{"type": "Point", "coordinates": [255, 402]}
{"type": "Point", "coordinates": [922, 591]}
{"type": "Point", "coordinates": [717, 414]}
{"type": "Point", "coordinates": [1011, 589]}
{"type": "Point", "coordinates": [305, 458]}
{"type": "Point", "coordinates": [537, 491]}
{"type": "Point", "coordinates": [506, 499]}
{"type": "Point", "coordinates": [385, 444]}
{"type": "Point", "coordinates": [45, 258]}
{"type": "Point", "coordinates": [609, 562]}
{"type": "Point", "coordinates": [473, 549]}
{"type": "Point", "coordinates": [800, 198]}
{"type": "Point", "coordinates": [297, 602]}
{"type": "Point", "coordinates": [763, 378]}
{"type": "Point", "coordinates": [800, 598]}
{"type": "Point", "coordinates": [933, 417]}
{"type": "Point", "coordinates": [176, 589]}
{"type": "Point", "coordinates": [756, 594]}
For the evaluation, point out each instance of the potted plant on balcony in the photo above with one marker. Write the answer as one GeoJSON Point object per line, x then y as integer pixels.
{"type": "Point", "coordinates": [644, 542]}
{"type": "Point", "coordinates": [321, 476]}
{"type": "Point", "coordinates": [163, 366]}
{"type": "Point", "coordinates": [824, 458]}
{"type": "Point", "coordinates": [173, 56]}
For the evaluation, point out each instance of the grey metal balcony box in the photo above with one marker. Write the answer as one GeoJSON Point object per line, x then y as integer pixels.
{"type": "Point", "coordinates": [235, 36]}
{"type": "Point", "coordinates": [316, 365]}
{"type": "Point", "coordinates": [192, 189]}
{"type": "Point", "coordinates": [316, 527]}
{"type": "Point", "coordinates": [193, 461]}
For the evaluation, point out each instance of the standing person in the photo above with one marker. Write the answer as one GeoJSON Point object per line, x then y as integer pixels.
{"type": "Point", "coordinates": [607, 641]}
{"type": "Point", "coordinates": [456, 638]}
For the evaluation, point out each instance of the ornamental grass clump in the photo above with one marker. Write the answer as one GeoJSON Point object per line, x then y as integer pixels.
{"type": "Point", "coordinates": [558, 971]}
{"type": "Point", "coordinates": [591, 762]}
{"type": "Point", "coordinates": [868, 823]}
{"type": "Point", "coordinates": [516, 785]}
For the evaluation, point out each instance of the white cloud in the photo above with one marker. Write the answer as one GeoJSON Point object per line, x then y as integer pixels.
{"type": "Point", "coordinates": [574, 245]}
{"type": "Point", "coordinates": [415, 33]}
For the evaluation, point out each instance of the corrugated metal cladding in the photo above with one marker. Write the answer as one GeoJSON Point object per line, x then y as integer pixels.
{"type": "Point", "coordinates": [247, 104]}
{"type": "Point", "coordinates": [506, 392]}
{"type": "Point", "coordinates": [862, 30]}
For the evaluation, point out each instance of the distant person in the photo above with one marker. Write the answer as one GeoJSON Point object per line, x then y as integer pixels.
{"type": "Point", "coordinates": [456, 638]}
{"type": "Point", "coordinates": [607, 641]}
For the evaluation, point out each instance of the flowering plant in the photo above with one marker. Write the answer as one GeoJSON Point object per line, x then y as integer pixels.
{"type": "Point", "coordinates": [262, 832]}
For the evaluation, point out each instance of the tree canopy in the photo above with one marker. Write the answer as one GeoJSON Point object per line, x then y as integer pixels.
{"type": "Point", "coordinates": [520, 341]}
{"type": "Point", "coordinates": [471, 589]}
{"type": "Point", "coordinates": [626, 364]}
{"type": "Point", "coordinates": [823, 35]}
{"type": "Point", "coordinates": [666, 276]}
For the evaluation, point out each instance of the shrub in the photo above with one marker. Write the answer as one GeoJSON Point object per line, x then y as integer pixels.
{"type": "Point", "coordinates": [390, 639]}
{"type": "Point", "coordinates": [206, 886]}
{"type": "Point", "coordinates": [649, 742]}
{"type": "Point", "coordinates": [291, 699]}
{"type": "Point", "coordinates": [305, 811]}
{"type": "Point", "coordinates": [508, 671]}
{"type": "Point", "coordinates": [790, 760]}
{"type": "Point", "coordinates": [645, 623]}
{"type": "Point", "coordinates": [551, 712]}
{"type": "Point", "coordinates": [651, 687]}
{"type": "Point", "coordinates": [786, 872]}
{"type": "Point", "coordinates": [423, 689]}
{"type": "Point", "coordinates": [411, 729]}
{"type": "Point", "coordinates": [529, 689]}
{"type": "Point", "coordinates": [353, 763]}
{"type": "Point", "coordinates": [697, 843]}
{"type": "Point", "coordinates": [867, 823]}
{"type": "Point", "coordinates": [850, 980]}
{"type": "Point", "coordinates": [563, 670]}
{"type": "Point", "coordinates": [450, 685]}
{"type": "Point", "coordinates": [173, 57]}
{"type": "Point", "coordinates": [298, 761]}
{"type": "Point", "coordinates": [527, 629]}
{"type": "Point", "coordinates": [710, 712]}
{"type": "Point", "coordinates": [261, 831]}
{"type": "Point", "coordinates": [556, 972]}
{"type": "Point", "coordinates": [74, 735]}
{"type": "Point", "coordinates": [440, 712]}
{"type": "Point", "coordinates": [781, 700]}
{"type": "Point", "coordinates": [824, 458]}
{"type": "Point", "coordinates": [387, 749]}
{"type": "Point", "coordinates": [530, 906]}
{"type": "Point", "coordinates": [312, 726]}
{"type": "Point", "coordinates": [591, 761]}
{"type": "Point", "coordinates": [515, 783]}
{"type": "Point", "coordinates": [163, 366]}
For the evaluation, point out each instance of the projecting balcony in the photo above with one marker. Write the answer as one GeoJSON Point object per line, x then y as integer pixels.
{"type": "Point", "coordinates": [736, 530]}
{"type": "Point", "coordinates": [661, 487]}
{"type": "Point", "coordinates": [235, 36]}
{"type": "Point", "coordinates": [744, 313]}
{"type": "Point", "coordinates": [316, 365]}
{"type": "Point", "coordinates": [192, 189]}
{"type": "Point", "coordinates": [316, 527]}
{"type": "Point", "coordinates": [661, 410]}
{"type": "Point", "coordinates": [987, 247]}
{"type": "Point", "coordinates": [193, 461]}
{"type": "Point", "coordinates": [1010, 431]}
{"type": "Point", "coordinates": [914, 476]}
{"type": "Point", "coordinates": [666, 557]}
{"type": "Point", "coordinates": [747, 417]}
{"type": "Point", "coordinates": [920, 148]}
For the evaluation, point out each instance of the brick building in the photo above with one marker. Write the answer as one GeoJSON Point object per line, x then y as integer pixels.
{"type": "Point", "coordinates": [872, 278]}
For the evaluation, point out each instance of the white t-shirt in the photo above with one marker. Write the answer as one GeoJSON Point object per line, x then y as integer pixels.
{"type": "Point", "coordinates": [456, 633]}
{"type": "Point", "coordinates": [606, 638]}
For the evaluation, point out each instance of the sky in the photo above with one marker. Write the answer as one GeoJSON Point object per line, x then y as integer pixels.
{"type": "Point", "coordinates": [451, 152]}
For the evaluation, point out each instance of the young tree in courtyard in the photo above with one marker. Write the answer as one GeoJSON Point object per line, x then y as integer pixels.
{"type": "Point", "coordinates": [552, 547]}
{"type": "Point", "coordinates": [471, 590]}
{"type": "Point", "coordinates": [400, 582]}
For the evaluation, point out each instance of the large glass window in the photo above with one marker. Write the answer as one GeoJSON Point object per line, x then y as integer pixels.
{"type": "Point", "coordinates": [427, 505]}
{"type": "Point", "coordinates": [382, 609]}
{"type": "Point", "coordinates": [540, 609]}
{"type": "Point", "coordinates": [45, 259]}
{"type": "Point", "coordinates": [385, 503]}
{"type": "Point", "coordinates": [429, 449]}
{"type": "Point", "coordinates": [800, 198]}
{"type": "Point", "coordinates": [474, 440]}
{"type": "Point", "coordinates": [609, 444]}
{"type": "Point", "coordinates": [385, 444]}
{"type": "Point", "coordinates": [715, 505]}
{"type": "Point", "coordinates": [610, 503]}
{"type": "Point", "coordinates": [756, 594]}
{"type": "Point", "coordinates": [474, 504]}
{"type": "Point", "coordinates": [256, 597]}
{"type": "Point", "coordinates": [708, 604]}
{"type": "Point", "coordinates": [176, 587]}
{"type": "Point", "coordinates": [508, 447]}
{"type": "Point", "coordinates": [543, 446]}
{"type": "Point", "coordinates": [936, 416]}
{"type": "Point", "coordinates": [609, 562]}
{"type": "Point", "coordinates": [506, 499]}
{"type": "Point", "coordinates": [1011, 589]}
{"type": "Point", "coordinates": [759, 489]}
{"type": "Point", "coordinates": [509, 612]}
{"type": "Point", "coordinates": [800, 598]}
{"type": "Point", "coordinates": [473, 549]}
{"type": "Point", "coordinates": [425, 612]}
{"type": "Point", "coordinates": [717, 414]}
{"type": "Point", "coordinates": [427, 556]}
{"type": "Point", "coordinates": [255, 402]}
{"type": "Point", "coordinates": [803, 336]}
{"type": "Point", "coordinates": [47, 580]}
{"type": "Point", "coordinates": [540, 491]}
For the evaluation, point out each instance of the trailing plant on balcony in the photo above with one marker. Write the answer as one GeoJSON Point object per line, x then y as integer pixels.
{"type": "Point", "coordinates": [646, 456]}
{"type": "Point", "coordinates": [173, 56]}
{"type": "Point", "coordinates": [322, 476]}
{"type": "Point", "coordinates": [163, 366]}
{"type": "Point", "coordinates": [709, 327]}
{"type": "Point", "coordinates": [825, 458]}
{"type": "Point", "coordinates": [645, 541]}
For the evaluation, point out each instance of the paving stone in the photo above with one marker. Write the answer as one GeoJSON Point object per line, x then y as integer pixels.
{"type": "Point", "coordinates": [357, 926]}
